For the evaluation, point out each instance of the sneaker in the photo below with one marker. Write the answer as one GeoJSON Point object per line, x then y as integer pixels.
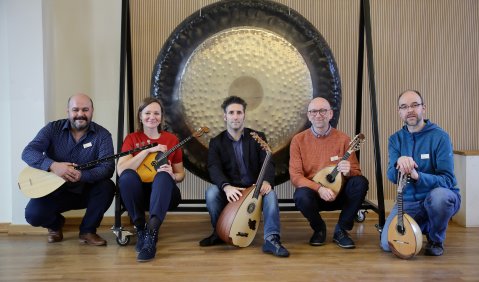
{"type": "Point", "coordinates": [341, 237]}
{"type": "Point", "coordinates": [212, 240]}
{"type": "Point", "coordinates": [148, 251]}
{"type": "Point", "coordinates": [272, 245]}
{"type": "Point", "coordinates": [434, 249]}
{"type": "Point", "coordinates": [140, 240]}
{"type": "Point", "coordinates": [319, 237]}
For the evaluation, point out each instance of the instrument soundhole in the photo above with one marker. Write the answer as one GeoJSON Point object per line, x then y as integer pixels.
{"type": "Point", "coordinates": [330, 178]}
{"type": "Point", "coordinates": [251, 208]}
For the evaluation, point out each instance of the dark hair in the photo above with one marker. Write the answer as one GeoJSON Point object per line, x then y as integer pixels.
{"type": "Point", "coordinates": [233, 100]}
{"type": "Point", "coordinates": [147, 101]}
{"type": "Point", "coordinates": [411, 90]}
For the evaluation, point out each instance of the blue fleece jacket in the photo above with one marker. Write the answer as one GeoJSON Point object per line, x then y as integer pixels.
{"type": "Point", "coordinates": [431, 149]}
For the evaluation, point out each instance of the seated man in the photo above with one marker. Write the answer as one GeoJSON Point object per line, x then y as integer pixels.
{"type": "Point", "coordinates": [58, 147]}
{"type": "Point", "coordinates": [234, 163]}
{"type": "Point", "coordinates": [312, 150]}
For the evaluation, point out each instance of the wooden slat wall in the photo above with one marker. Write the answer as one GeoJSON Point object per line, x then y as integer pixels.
{"type": "Point", "coordinates": [429, 45]}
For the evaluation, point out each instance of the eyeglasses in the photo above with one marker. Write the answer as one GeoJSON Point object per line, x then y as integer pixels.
{"type": "Point", "coordinates": [322, 112]}
{"type": "Point", "coordinates": [412, 106]}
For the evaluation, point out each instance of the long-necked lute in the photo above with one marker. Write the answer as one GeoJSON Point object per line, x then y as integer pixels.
{"type": "Point", "coordinates": [36, 183]}
{"type": "Point", "coordinates": [328, 176]}
{"type": "Point", "coordinates": [148, 168]}
{"type": "Point", "coordinates": [404, 234]}
{"type": "Point", "coordinates": [239, 220]}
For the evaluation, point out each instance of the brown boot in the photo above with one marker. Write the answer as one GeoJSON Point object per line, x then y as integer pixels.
{"type": "Point", "coordinates": [55, 236]}
{"type": "Point", "coordinates": [92, 239]}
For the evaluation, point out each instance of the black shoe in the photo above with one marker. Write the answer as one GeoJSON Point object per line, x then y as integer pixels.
{"type": "Point", "coordinates": [341, 237]}
{"type": "Point", "coordinates": [319, 237]}
{"type": "Point", "coordinates": [273, 246]}
{"type": "Point", "coordinates": [140, 239]}
{"type": "Point", "coordinates": [148, 251]}
{"type": "Point", "coordinates": [434, 249]}
{"type": "Point", "coordinates": [212, 240]}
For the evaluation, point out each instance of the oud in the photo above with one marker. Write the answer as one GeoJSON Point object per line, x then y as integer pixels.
{"type": "Point", "coordinates": [328, 176]}
{"type": "Point", "coordinates": [148, 168]}
{"type": "Point", "coordinates": [239, 220]}
{"type": "Point", "coordinates": [404, 234]}
{"type": "Point", "coordinates": [36, 183]}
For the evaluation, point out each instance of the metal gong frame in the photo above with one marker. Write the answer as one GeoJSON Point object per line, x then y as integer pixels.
{"type": "Point", "coordinates": [174, 59]}
{"type": "Point", "coordinates": [265, 14]}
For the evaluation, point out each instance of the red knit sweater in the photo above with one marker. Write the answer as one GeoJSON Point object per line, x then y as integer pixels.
{"type": "Point", "coordinates": [309, 154]}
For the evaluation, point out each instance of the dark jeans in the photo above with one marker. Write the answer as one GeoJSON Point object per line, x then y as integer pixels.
{"type": "Point", "coordinates": [158, 197]}
{"type": "Point", "coordinates": [348, 201]}
{"type": "Point", "coordinates": [95, 197]}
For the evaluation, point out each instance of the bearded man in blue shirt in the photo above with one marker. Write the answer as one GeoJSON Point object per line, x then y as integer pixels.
{"type": "Point", "coordinates": [58, 147]}
{"type": "Point", "coordinates": [424, 151]}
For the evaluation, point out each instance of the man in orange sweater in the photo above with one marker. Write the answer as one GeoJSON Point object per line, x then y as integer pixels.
{"type": "Point", "coordinates": [312, 150]}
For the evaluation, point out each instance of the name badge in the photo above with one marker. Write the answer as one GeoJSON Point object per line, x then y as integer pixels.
{"type": "Point", "coordinates": [424, 156]}
{"type": "Point", "coordinates": [86, 145]}
{"type": "Point", "coordinates": [335, 158]}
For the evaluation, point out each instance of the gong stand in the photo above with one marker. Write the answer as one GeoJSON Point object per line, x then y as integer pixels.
{"type": "Point", "coordinates": [365, 32]}
{"type": "Point", "coordinates": [126, 79]}
{"type": "Point", "coordinates": [125, 74]}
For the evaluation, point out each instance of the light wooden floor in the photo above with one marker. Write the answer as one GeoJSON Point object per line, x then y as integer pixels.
{"type": "Point", "coordinates": [179, 258]}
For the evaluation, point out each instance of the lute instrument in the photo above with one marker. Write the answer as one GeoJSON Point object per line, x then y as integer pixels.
{"type": "Point", "coordinates": [239, 220]}
{"type": "Point", "coordinates": [404, 234]}
{"type": "Point", "coordinates": [328, 176]}
{"type": "Point", "coordinates": [148, 168]}
{"type": "Point", "coordinates": [36, 183]}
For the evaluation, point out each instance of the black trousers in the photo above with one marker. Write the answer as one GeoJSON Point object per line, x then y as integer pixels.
{"type": "Point", "coordinates": [349, 201]}
{"type": "Point", "coordinates": [95, 197]}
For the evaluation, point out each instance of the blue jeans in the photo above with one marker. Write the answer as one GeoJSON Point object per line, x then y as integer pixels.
{"type": "Point", "coordinates": [216, 201]}
{"type": "Point", "coordinates": [95, 197]}
{"type": "Point", "coordinates": [431, 214]}
{"type": "Point", "coordinates": [349, 201]}
{"type": "Point", "coordinates": [158, 197]}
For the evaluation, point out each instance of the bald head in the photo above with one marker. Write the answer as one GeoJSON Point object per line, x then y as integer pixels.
{"type": "Point", "coordinates": [80, 111]}
{"type": "Point", "coordinates": [79, 97]}
{"type": "Point", "coordinates": [319, 102]}
{"type": "Point", "coordinates": [319, 114]}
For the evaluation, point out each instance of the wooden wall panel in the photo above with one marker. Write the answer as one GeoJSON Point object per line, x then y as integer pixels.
{"type": "Point", "coordinates": [428, 45]}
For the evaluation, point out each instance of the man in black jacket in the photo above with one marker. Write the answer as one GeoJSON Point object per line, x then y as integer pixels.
{"type": "Point", "coordinates": [234, 163]}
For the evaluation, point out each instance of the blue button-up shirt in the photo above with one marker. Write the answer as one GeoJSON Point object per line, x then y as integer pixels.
{"type": "Point", "coordinates": [54, 142]}
{"type": "Point", "coordinates": [246, 179]}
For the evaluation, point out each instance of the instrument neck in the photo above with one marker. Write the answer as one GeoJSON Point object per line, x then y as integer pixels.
{"type": "Point", "coordinates": [160, 157]}
{"type": "Point", "coordinates": [400, 209]}
{"type": "Point", "coordinates": [335, 170]}
{"type": "Point", "coordinates": [259, 181]}
{"type": "Point", "coordinates": [95, 162]}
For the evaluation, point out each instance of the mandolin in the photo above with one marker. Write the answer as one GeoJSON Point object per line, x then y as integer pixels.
{"type": "Point", "coordinates": [328, 176]}
{"type": "Point", "coordinates": [239, 220]}
{"type": "Point", "coordinates": [404, 234]}
{"type": "Point", "coordinates": [36, 183]}
{"type": "Point", "coordinates": [148, 168]}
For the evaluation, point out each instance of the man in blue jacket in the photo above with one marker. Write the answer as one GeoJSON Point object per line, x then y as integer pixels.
{"type": "Point", "coordinates": [423, 150]}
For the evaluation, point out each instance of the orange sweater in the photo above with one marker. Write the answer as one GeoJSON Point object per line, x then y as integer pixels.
{"type": "Point", "coordinates": [309, 154]}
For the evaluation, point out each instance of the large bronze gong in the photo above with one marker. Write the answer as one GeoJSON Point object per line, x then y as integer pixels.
{"type": "Point", "coordinates": [259, 50]}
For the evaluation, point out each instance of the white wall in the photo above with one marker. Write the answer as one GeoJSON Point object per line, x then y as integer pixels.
{"type": "Point", "coordinates": [23, 92]}
{"type": "Point", "coordinates": [50, 50]}
{"type": "Point", "coordinates": [5, 166]}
